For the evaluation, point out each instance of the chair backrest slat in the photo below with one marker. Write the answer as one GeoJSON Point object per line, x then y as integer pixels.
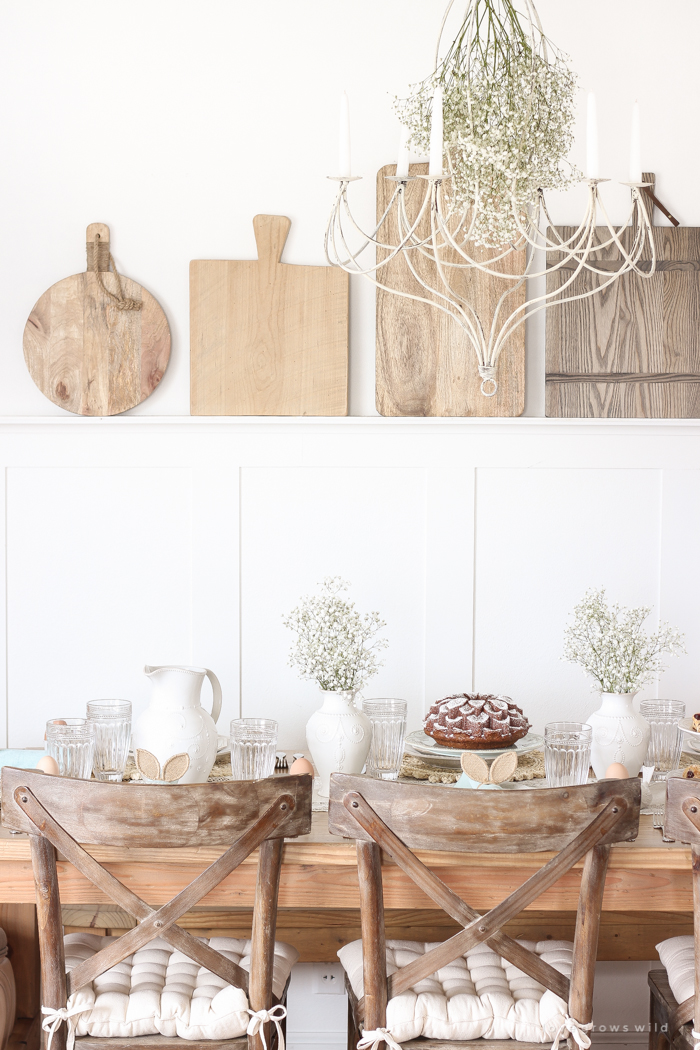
{"type": "Point", "coordinates": [158, 816]}
{"type": "Point", "coordinates": [432, 818]}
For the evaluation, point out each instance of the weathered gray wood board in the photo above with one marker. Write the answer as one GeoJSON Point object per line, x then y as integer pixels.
{"type": "Point", "coordinates": [425, 365]}
{"type": "Point", "coordinates": [632, 350]}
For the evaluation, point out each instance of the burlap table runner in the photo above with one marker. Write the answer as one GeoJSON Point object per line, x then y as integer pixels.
{"type": "Point", "coordinates": [530, 767]}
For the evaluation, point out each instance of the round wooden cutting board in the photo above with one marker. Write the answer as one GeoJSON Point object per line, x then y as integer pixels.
{"type": "Point", "coordinates": [93, 353]}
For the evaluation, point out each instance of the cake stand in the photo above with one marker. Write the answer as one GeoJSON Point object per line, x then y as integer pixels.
{"type": "Point", "coordinates": [420, 745]}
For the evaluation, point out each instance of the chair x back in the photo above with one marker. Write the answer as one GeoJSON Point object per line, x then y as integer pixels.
{"type": "Point", "coordinates": [577, 822]}
{"type": "Point", "coordinates": [669, 1018]}
{"type": "Point", "coordinates": [60, 814]}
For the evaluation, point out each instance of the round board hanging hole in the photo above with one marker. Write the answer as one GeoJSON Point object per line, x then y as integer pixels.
{"type": "Point", "coordinates": [97, 343]}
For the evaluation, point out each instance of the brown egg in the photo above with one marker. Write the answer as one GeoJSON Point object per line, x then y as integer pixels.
{"type": "Point", "coordinates": [300, 766]}
{"type": "Point", "coordinates": [47, 764]}
{"type": "Point", "coordinates": [616, 771]}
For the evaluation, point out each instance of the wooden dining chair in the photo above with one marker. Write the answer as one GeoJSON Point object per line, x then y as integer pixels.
{"type": "Point", "coordinates": [577, 822]}
{"type": "Point", "coordinates": [675, 988]}
{"type": "Point", "coordinates": [240, 816]}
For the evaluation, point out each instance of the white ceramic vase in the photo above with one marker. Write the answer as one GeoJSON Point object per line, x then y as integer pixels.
{"type": "Point", "coordinates": [620, 734]}
{"type": "Point", "coordinates": [338, 735]}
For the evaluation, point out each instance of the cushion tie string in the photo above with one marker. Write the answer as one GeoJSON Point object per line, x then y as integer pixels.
{"type": "Point", "coordinates": [371, 1040]}
{"type": "Point", "coordinates": [55, 1018]}
{"type": "Point", "coordinates": [258, 1020]}
{"type": "Point", "coordinates": [569, 1024]}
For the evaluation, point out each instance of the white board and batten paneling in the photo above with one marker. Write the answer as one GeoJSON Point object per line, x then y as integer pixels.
{"type": "Point", "coordinates": [136, 540]}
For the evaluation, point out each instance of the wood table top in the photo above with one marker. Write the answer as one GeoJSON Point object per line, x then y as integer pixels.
{"type": "Point", "coordinates": [320, 847]}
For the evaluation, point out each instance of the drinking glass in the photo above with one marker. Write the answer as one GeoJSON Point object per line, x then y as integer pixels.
{"type": "Point", "coordinates": [71, 741]}
{"type": "Point", "coordinates": [567, 753]}
{"type": "Point", "coordinates": [388, 718]}
{"type": "Point", "coordinates": [253, 748]}
{"type": "Point", "coordinates": [666, 739]}
{"type": "Point", "coordinates": [112, 722]}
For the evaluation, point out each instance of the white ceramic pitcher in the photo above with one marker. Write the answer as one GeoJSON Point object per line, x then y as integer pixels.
{"type": "Point", "coordinates": [175, 722]}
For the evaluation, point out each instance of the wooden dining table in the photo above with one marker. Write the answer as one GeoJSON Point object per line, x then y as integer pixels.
{"type": "Point", "coordinates": [648, 896]}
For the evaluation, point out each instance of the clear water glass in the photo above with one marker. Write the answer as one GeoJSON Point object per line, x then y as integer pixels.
{"type": "Point", "coordinates": [112, 722]}
{"type": "Point", "coordinates": [666, 739]}
{"type": "Point", "coordinates": [253, 748]}
{"type": "Point", "coordinates": [71, 741]}
{"type": "Point", "coordinates": [567, 753]}
{"type": "Point", "coordinates": [388, 718]}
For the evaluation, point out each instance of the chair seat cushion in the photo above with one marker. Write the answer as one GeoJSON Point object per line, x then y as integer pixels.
{"type": "Point", "coordinates": [479, 995]}
{"type": "Point", "coordinates": [160, 991]}
{"type": "Point", "coordinates": [677, 955]}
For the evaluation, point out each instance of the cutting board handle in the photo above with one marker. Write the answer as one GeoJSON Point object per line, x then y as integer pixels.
{"type": "Point", "coordinates": [94, 230]}
{"type": "Point", "coordinates": [270, 236]}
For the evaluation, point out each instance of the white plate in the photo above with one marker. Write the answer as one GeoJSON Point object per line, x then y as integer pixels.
{"type": "Point", "coordinates": [420, 745]}
{"type": "Point", "coordinates": [692, 738]}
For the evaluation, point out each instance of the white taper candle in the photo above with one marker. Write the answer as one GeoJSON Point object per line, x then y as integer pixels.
{"type": "Point", "coordinates": [636, 146]}
{"type": "Point", "coordinates": [344, 166]}
{"type": "Point", "coordinates": [436, 142]}
{"type": "Point", "coordinates": [404, 152]}
{"type": "Point", "coordinates": [592, 171]}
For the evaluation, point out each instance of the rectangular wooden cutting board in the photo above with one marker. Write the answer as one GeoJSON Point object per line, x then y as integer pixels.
{"type": "Point", "coordinates": [425, 366]}
{"type": "Point", "coordinates": [632, 350]}
{"type": "Point", "coordinates": [268, 338]}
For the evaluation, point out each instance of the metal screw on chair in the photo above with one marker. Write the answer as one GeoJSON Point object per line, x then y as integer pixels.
{"type": "Point", "coordinates": [615, 809]}
{"type": "Point", "coordinates": [24, 798]}
{"type": "Point", "coordinates": [693, 809]}
{"type": "Point", "coordinates": [158, 923]}
{"type": "Point", "coordinates": [565, 794]}
{"type": "Point", "coordinates": [283, 806]}
{"type": "Point", "coordinates": [355, 805]}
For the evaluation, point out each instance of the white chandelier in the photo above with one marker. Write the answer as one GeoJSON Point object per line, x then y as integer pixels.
{"type": "Point", "coordinates": [441, 232]}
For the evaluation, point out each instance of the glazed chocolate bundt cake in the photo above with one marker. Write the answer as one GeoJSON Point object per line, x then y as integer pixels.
{"type": "Point", "coordinates": [476, 721]}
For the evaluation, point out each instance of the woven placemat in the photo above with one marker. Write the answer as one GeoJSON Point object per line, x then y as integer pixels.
{"type": "Point", "coordinates": [530, 767]}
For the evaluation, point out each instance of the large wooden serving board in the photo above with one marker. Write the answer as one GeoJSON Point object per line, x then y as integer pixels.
{"type": "Point", "coordinates": [87, 355]}
{"type": "Point", "coordinates": [425, 366]}
{"type": "Point", "coordinates": [267, 338]}
{"type": "Point", "coordinates": [632, 350]}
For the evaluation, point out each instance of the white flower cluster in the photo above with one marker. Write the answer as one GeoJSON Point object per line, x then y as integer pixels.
{"type": "Point", "coordinates": [509, 111]}
{"type": "Point", "coordinates": [611, 645]}
{"type": "Point", "coordinates": [333, 640]}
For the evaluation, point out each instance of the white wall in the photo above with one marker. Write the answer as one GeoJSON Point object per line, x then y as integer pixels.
{"type": "Point", "coordinates": [131, 541]}
{"type": "Point", "coordinates": [177, 122]}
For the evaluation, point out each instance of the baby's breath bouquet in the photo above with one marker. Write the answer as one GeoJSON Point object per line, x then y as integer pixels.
{"type": "Point", "coordinates": [509, 109]}
{"type": "Point", "coordinates": [609, 642]}
{"type": "Point", "coordinates": [335, 645]}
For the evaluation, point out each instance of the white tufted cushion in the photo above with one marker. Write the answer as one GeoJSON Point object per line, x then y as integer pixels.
{"type": "Point", "coordinates": [160, 991]}
{"type": "Point", "coordinates": [479, 995]}
{"type": "Point", "coordinates": [678, 958]}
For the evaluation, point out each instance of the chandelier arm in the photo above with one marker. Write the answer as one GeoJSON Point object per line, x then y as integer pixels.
{"type": "Point", "coordinates": [543, 302]}
{"type": "Point", "coordinates": [458, 305]}
{"type": "Point", "coordinates": [452, 295]}
{"type": "Point", "coordinates": [344, 263]}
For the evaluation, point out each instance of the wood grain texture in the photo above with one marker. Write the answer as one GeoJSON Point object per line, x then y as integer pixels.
{"type": "Point", "coordinates": [173, 815]}
{"type": "Point", "coordinates": [425, 365]}
{"type": "Point", "coordinates": [48, 908]}
{"type": "Point", "coordinates": [90, 357]}
{"type": "Point", "coordinates": [491, 821]}
{"type": "Point", "coordinates": [268, 338]}
{"type": "Point", "coordinates": [263, 936]}
{"type": "Point", "coordinates": [632, 350]}
{"type": "Point", "coordinates": [159, 1042]}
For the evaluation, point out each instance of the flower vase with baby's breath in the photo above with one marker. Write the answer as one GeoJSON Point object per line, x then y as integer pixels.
{"type": "Point", "coordinates": [337, 647]}
{"type": "Point", "coordinates": [611, 645]}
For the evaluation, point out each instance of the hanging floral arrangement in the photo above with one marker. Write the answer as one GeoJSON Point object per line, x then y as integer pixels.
{"type": "Point", "coordinates": [509, 107]}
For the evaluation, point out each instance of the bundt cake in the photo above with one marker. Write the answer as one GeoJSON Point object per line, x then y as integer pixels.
{"type": "Point", "coordinates": [476, 721]}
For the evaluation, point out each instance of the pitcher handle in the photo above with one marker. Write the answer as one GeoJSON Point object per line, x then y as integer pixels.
{"type": "Point", "coordinates": [216, 697]}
